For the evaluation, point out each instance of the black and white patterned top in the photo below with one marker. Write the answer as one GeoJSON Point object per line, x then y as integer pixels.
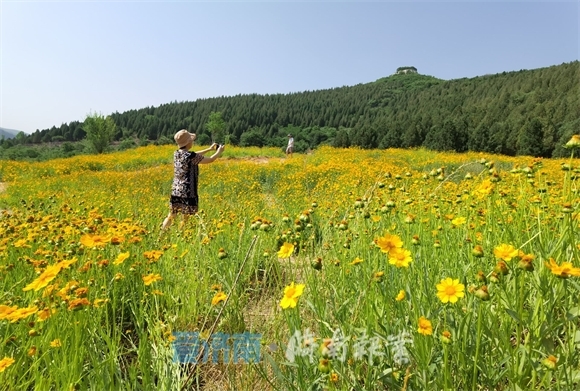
{"type": "Point", "coordinates": [186, 172]}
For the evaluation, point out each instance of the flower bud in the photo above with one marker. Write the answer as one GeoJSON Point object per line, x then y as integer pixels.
{"type": "Point", "coordinates": [494, 277]}
{"type": "Point", "coordinates": [550, 362]}
{"type": "Point", "coordinates": [482, 293]}
{"type": "Point", "coordinates": [477, 251]}
{"type": "Point", "coordinates": [446, 337]}
{"type": "Point", "coordinates": [480, 276]}
{"type": "Point", "coordinates": [324, 365]}
{"type": "Point", "coordinates": [526, 264]}
{"type": "Point", "coordinates": [501, 268]}
{"type": "Point", "coordinates": [317, 263]}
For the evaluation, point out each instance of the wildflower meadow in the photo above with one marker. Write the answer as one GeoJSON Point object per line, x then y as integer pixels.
{"type": "Point", "coordinates": [342, 269]}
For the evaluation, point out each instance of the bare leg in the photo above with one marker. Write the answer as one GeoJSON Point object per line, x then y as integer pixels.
{"type": "Point", "coordinates": [167, 222]}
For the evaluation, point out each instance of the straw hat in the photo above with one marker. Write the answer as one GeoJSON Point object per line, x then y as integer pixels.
{"type": "Point", "coordinates": [183, 137]}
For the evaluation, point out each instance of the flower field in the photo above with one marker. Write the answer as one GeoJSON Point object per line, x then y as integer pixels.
{"type": "Point", "coordinates": [358, 270]}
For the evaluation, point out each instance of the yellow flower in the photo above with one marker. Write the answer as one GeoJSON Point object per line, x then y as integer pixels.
{"type": "Point", "coordinates": [55, 343]}
{"type": "Point", "coordinates": [458, 221]}
{"type": "Point", "coordinates": [286, 250]}
{"type": "Point", "coordinates": [21, 313]}
{"type": "Point", "coordinates": [95, 240]}
{"type": "Point", "coordinates": [400, 257]}
{"type": "Point", "coordinates": [505, 252]}
{"type": "Point", "coordinates": [400, 296]}
{"type": "Point", "coordinates": [21, 243]}
{"type": "Point", "coordinates": [484, 189]}
{"type": "Point", "coordinates": [153, 255]}
{"type": "Point", "coordinates": [425, 326]}
{"type": "Point", "coordinates": [6, 310]}
{"type": "Point", "coordinates": [356, 261]}
{"type": "Point", "coordinates": [44, 314]}
{"type": "Point", "coordinates": [121, 258]}
{"type": "Point", "coordinates": [450, 290]}
{"type": "Point", "coordinates": [66, 264]}
{"type": "Point", "coordinates": [565, 270]}
{"type": "Point", "coordinates": [47, 276]}
{"type": "Point", "coordinates": [389, 243]}
{"type": "Point", "coordinates": [151, 278]}
{"type": "Point", "coordinates": [291, 294]}
{"type": "Point", "coordinates": [218, 298]}
{"type": "Point", "coordinates": [5, 363]}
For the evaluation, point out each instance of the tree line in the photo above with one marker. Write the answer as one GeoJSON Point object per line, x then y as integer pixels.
{"type": "Point", "coordinates": [526, 112]}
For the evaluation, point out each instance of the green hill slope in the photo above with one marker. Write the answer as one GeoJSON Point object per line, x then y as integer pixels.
{"type": "Point", "coordinates": [529, 112]}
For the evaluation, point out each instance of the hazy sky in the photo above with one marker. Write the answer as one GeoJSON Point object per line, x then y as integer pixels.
{"type": "Point", "coordinates": [60, 60]}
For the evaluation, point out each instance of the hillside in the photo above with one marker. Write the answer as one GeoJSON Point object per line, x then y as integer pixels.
{"type": "Point", "coordinates": [527, 112]}
{"type": "Point", "coordinates": [8, 133]}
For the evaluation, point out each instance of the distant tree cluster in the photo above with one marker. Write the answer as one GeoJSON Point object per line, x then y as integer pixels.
{"type": "Point", "coordinates": [528, 112]}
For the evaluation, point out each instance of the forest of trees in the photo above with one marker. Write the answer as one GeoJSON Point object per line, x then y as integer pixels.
{"type": "Point", "coordinates": [527, 112]}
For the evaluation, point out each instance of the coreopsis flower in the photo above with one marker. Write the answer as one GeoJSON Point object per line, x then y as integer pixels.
{"type": "Point", "coordinates": [47, 276]}
{"type": "Point", "coordinates": [218, 298]}
{"type": "Point", "coordinates": [458, 221]}
{"type": "Point", "coordinates": [388, 243]}
{"type": "Point", "coordinates": [286, 250]}
{"type": "Point", "coordinates": [450, 290]}
{"type": "Point", "coordinates": [151, 278]}
{"type": "Point", "coordinates": [565, 270]}
{"type": "Point", "coordinates": [505, 252]}
{"type": "Point", "coordinates": [21, 313]}
{"type": "Point", "coordinates": [446, 337]}
{"type": "Point", "coordinates": [400, 257]}
{"type": "Point", "coordinates": [401, 295]}
{"type": "Point", "coordinates": [95, 240]}
{"type": "Point", "coordinates": [44, 314]}
{"type": "Point", "coordinates": [121, 258]}
{"type": "Point", "coordinates": [356, 261]}
{"type": "Point", "coordinates": [65, 264]}
{"type": "Point", "coordinates": [425, 326]}
{"type": "Point", "coordinates": [574, 142]}
{"type": "Point", "coordinates": [55, 343]}
{"type": "Point", "coordinates": [153, 255]}
{"type": "Point", "coordinates": [5, 363]}
{"type": "Point", "coordinates": [484, 189]}
{"type": "Point", "coordinates": [291, 294]}
{"type": "Point", "coordinates": [21, 243]}
{"type": "Point", "coordinates": [6, 310]}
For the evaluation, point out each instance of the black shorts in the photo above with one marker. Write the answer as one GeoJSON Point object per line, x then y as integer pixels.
{"type": "Point", "coordinates": [183, 205]}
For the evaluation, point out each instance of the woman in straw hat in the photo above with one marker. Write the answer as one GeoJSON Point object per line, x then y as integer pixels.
{"type": "Point", "coordinates": [184, 199]}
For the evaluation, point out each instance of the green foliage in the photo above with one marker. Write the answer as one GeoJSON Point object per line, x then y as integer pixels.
{"type": "Point", "coordinates": [490, 113]}
{"type": "Point", "coordinates": [216, 126]}
{"type": "Point", "coordinates": [252, 138]}
{"type": "Point", "coordinates": [99, 131]}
